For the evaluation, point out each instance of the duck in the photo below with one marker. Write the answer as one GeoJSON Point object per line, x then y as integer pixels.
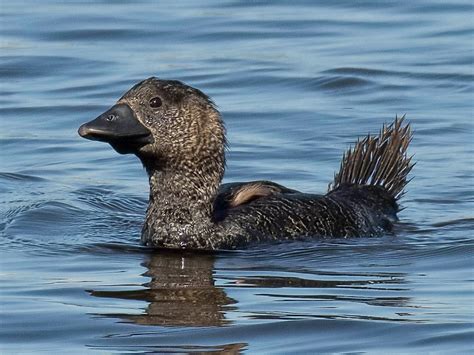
{"type": "Point", "coordinates": [178, 134]}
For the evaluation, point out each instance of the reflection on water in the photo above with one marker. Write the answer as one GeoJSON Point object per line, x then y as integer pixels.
{"type": "Point", "coordinates": [373, 282]}
{"type": "Point", "coordinates": [181, 292]}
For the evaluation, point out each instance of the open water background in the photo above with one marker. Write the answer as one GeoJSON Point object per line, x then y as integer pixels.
{"type": "Point", "coordinates": [297, 82]}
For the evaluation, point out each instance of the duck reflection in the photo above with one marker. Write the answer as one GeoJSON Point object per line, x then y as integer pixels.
{"type": "Point", "coordinates": [181, 292]}
{"type": "Point", "coordinates": [366, 288]}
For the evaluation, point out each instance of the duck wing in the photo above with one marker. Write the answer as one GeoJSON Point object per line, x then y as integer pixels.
{"type": "Point", "coordinates": [235, 194]}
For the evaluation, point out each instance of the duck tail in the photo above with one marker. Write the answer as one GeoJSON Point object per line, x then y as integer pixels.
{"type": "Point", "coordinates": [380, 160]}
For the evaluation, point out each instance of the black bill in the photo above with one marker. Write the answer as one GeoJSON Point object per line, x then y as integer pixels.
{"type": "Point", "coordinates": [119, 127]}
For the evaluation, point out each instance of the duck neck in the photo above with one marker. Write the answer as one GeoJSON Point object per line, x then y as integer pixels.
{"type": "Point", "coordinates": [181, 201]}
{"type": "Point", "coordinates": [185, 194]}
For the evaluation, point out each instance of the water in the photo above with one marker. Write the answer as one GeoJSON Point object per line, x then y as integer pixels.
{"type": "Point", "coordinates": [296, 82]}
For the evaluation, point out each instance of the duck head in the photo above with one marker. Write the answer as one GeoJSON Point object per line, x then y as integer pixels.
{"type": "Point", "coordinates": [164, 122]}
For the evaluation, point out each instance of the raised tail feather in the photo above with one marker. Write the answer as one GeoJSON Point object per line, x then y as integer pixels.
{"type": "Point", "coordinates": [379, 160]}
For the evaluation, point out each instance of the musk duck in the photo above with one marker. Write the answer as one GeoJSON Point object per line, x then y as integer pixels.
{"type": "Point", "coordinates": [178, 134]}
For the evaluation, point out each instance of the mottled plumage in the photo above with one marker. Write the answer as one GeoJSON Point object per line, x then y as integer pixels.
{"type": "Point", "coordinates": [179, 136]}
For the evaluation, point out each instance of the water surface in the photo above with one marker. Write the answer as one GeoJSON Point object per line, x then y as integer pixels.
{"type": "Point", "coordinates": [297, 82]}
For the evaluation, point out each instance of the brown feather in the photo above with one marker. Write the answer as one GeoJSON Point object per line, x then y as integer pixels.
{"type": "Point", "coordinates": [251, 192]}
{"type": "Point", "coordinates": [379, 160]}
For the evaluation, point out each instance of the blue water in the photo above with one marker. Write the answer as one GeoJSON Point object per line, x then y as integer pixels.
{"type": "Point", "coordinates": [297, 82]}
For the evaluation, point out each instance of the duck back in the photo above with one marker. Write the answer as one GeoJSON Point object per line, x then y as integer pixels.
{"type": "Point", "coordinates": [361, 201]}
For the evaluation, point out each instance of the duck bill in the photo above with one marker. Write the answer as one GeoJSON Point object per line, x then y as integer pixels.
{"type": "Point", "coordinates": [119, 127]}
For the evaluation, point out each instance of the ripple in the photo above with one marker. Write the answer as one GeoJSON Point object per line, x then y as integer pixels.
{"type": "Point", "coordinates": [56, 227]}
{"type": "Point", "coordinates": [54, 111]}
{"type": "Point", "coordinates": [20, 177]}
{"type": "Point", "coordinates": [101, 199]}
{"type": "Point", "coordinates": [461, 222]}
{"type": "Point", "coordinates": [330, 335]}
{"type": "Point", "coordinates": [114, 249]}
{"type": "Point", "coordinates": [98, 34]}
{"type": "Point", "coordinates": [15, 67]}
{"type": "Point", "coordinates": [366, 72]}
{"type": "Point", "coordinates": [336, 83]}
{"type": "Point", "coordinates": [453, 78]}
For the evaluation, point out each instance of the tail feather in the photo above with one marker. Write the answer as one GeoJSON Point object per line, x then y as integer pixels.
{"type": "Point", "coordinates": [379, 160]}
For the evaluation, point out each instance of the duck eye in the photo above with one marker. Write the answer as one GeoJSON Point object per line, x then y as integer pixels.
{"type": "Point", "coordinates": [155, 102]}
